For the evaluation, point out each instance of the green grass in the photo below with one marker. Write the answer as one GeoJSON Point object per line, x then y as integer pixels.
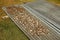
{"type": "Point", "coordinates": [9, 31]}
{"type": "Point", "coordinates": [54, 1]}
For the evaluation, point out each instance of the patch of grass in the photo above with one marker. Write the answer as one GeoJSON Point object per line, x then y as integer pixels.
{"type": "Point", "coordinates": [9, 31]}
{"type": "Point", "coordinates": [12, 2]}
{"type": "Point", "coordinates": [56, 2]}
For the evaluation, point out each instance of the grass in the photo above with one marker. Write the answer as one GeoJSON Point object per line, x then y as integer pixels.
{"type": "Point", "coordinates": [8, 30]}
{"type": "Point", "coordinates": [56, 2]}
